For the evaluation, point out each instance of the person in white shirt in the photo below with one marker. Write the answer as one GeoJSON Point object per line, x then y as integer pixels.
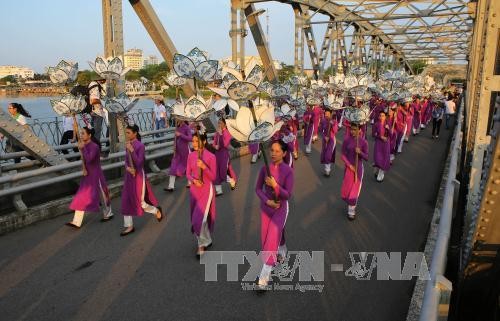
{"type": "Point", "coordinates": [95, 95]}
{"type": "Point", "coordinates": [159, 114]}
{"type": "Point", "coordinates": [69, 136]}
{"type": "Point", "coordinates": [17, 112]}
{"type": "Point", "coordinates": [450, 109]}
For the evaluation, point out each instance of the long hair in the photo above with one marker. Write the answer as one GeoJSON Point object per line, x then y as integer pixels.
{"type": "Point", "coordinates": [135, 129]}
{"type": "Point", "coordinates": [91, 132]}
{"type": "Point", "coordinates": [20, 109]}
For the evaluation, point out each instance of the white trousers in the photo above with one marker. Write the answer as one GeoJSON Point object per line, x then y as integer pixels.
{"type": "Point", "coordinates": [171, 181]}
{"type": "Point", "coordinates": [127, 219]}
{"type": "Point", "coordinates": [107, 212]}
{"type": "Point", "coordinates": [205, 238]}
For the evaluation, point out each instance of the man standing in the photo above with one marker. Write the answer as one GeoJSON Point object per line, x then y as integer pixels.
{"type": "Point", "coordinates": [95, 95]}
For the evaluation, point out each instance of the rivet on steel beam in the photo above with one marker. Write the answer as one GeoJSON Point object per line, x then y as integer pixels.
{"type": "Point", "coordinates": [488, 211]}
{"type": "Point", "coordinates": [481, 235]}
{"type": "Point", "coordinates": [497, 181]}
{"type": "Point", "coordinates": [493, 192]}
{"type": "Point", "coordinates": [491, 202]}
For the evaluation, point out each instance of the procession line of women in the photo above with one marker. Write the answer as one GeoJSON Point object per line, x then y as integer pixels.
{"type": "Point", "coordinates": [207, 167]}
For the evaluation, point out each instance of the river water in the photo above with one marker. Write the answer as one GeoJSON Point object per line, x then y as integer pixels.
{"type": "Point", "coordinates": [41, 110]}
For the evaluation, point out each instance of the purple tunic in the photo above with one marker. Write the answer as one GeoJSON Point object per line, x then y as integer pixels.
{"type": "Point", "coordinates": [222, 156]}
{"type": "Point", "coordinates": [309, 121]}
{"type": "Point", "coordinates": [328, 128]}
{"type": "Point", "coordinates": [202, 198]}
{"type": "Point", "coordinates": [132, 192]}
{"type": "Point", "coordinates": [351, 187]}
{"type": "Point", "coordinates": [273, 220]}
{"type": "Point", "coordinates": [393, 134]}
{"type": "Point", "coordinates": [382, 149]}
{"type": "Point", "coordinates": [417, 108]}
{"type": "Point", "coordinates": [178, 163]}
{"type": "Point", "coordinates": [409, 120]}
{"type": "Point", "coordinates": [88, 195]}
{"type": "Point", "coordinates": [318, 115]}
{"type": "Point", "coordinates": [254, 148]}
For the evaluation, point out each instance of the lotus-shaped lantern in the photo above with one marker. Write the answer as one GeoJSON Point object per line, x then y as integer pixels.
{"type": "Point", "coordinates": [120, 105]}
{"type": "Point", "coordinates": [112, 69]}
{"type": "Point", "coordinates": [357, 115]}
{"type": "Point", "coordinates": [68, 105]}
{"type": "Point", "coordinates": [173, 80]}
{"type": "Point", "coordinates": [335, 102]}
{"type": "Point", "coordinates": [194, 109]}
{"type": "Point", "coordinates": [244, 128]}
{"type": "Point", "coordinates": [224, 100]}
{"type": "Point", "coordinates": [246, 89]}
{"type": "Point", "coordinates": [195, 65]}
{"type": "Point", "coordinates": [311, 100]}
{"type": "Point", "coordinates": [63, 73]}
{"type": "Point", "coordinates": [285, 112]}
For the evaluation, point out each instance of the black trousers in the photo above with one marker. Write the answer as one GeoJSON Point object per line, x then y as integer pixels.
{"type": "Point", "coordinates": [66, 137]}
{"type": "Point", "coordinates": [436, 125]}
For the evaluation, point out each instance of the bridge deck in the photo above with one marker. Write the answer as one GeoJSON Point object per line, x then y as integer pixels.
{"type": "Point", "coordinates": [51, 272]}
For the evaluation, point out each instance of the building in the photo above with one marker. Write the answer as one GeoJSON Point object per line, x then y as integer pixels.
{"type": "Point", "coordinates": [133, 59]}
{"type": "Point", "coordinates": [250, 60]}
{"type": "Point", "coordinates": [151, 60]}
{"type": "Point", "coordinates": [16, 71]}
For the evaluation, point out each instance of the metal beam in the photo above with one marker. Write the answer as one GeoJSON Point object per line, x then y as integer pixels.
{"type": "Point", "coordinates": [24, 137]}
{"type": "Point", "coordinates": [396, 17]}
{"type": "Point", "coordinates": [261, 43]}
{"type": "Point", "coordinates": [112, 28]}
{"type": "Point", "coordinates": [159, 35]}
{"type": "Point", "coordinates": [310, 41]}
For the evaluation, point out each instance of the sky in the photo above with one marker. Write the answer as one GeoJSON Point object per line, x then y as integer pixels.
{"type": "Point", "coordinates": [38, 34]}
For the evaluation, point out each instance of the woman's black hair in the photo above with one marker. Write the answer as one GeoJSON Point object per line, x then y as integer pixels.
{"type": "Point", "coordinates": [20, 109]}
{"type": "Point", "coordinates": [91, 132]}
{"type": "Point", "coordinates": [283, 145]}
{"type": "Point", "coordinates": [135, 129]}
{"type": "Point", "coordinates": [203, 138]}
{"type": "Point", "coordinates": [383, 112]}
{"type": "Point", "coordinates": [223, 120]}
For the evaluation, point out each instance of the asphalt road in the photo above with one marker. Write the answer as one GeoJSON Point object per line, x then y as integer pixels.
{"type": "Point", "coordinates": [51, 272]}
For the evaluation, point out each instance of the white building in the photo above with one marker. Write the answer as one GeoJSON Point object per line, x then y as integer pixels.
{"type": "Point", "coordinates": [151, 60]}
{"type": "Point", "coordinates": [16, 71]}
{"type": "Point", "coordinates": [133, 59]}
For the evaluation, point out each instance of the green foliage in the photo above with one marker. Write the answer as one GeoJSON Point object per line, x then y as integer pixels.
{"type": "Point", "coordinates": [7, 79]}
{"type": "Point", "coordinates": [286, 72]}
{"type": "Point", "coordinates": [84, 77]}
{"type": "Point", "coordinates": [418, 66]}
{"type": "Point", "coordinates": [41, 77]}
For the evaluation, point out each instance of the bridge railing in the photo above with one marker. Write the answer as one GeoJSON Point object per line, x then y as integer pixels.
{"type": "Point", "coordinates": [15, 184]}
{"type": "Point", "coordinates": [51, 130]}
{"type": "Point", "coordinates": [438, 288]}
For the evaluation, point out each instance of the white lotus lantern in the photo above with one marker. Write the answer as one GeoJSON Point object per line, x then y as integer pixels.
{"type": "Point", "coordinates": [193, 110]}
{"type": "Point", "coordinates": [246, 129]}
{"type": "Point", "coordinates": [112, 69]}
{"type": "Point", "coordinates": [63, 73]}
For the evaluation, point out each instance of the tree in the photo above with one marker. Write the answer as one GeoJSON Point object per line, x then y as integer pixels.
{"type": "Point", "coordinates": [84, 77]}
{"type": "Point", "coordinates": [41, 77]}
{"type": "Point", "coordinates": [285, 72]}
{"type": "Point", "coordinates": [133, 75]}
{"type": "Point", "coordinates": [7, 79]}
{"type": "Point", "coordinates": [418, 66]}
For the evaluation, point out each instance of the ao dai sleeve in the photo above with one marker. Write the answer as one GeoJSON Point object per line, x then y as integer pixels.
{"type": "Point", "coordinates": [259, 186]}
{"type": "Point", "coordinates": [284, 190]}
{"type": "Point", "coordinates": [138, 156]}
